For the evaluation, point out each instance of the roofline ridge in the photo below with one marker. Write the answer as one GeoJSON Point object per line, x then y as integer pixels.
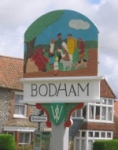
{"type": "Point", "coordinates": [11, 57]}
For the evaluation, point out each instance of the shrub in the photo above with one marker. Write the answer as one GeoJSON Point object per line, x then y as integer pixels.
{"type": "Point", "coordinates": [105, 145]}
{"type": "Point", "coordinates": [7, 142]}
{"type": "Point", "coordinates": [24, 147]}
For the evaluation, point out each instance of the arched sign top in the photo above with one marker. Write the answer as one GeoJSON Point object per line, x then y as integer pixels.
{"type": "Point", "coordinates": [61, 43]}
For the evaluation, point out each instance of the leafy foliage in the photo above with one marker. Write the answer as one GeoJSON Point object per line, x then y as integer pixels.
{"type": "Point", "coordinates": [91, 44]}
{"type": "Point", "coordinates": [41, 23]}
{"type": "Point", "coordinates": [24, 147]}
{"type": "Point", "coordinates": [7, 142]}
{"type": "Point", "coordinates": [105, 145]}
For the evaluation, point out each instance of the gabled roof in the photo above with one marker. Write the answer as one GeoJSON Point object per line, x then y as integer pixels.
{"type": "Point", "coordinates": [105, 90]}
{"type": "Point", "coordinates": [11, 70]}
{"type": "Point", "coordinates": [19, 123]}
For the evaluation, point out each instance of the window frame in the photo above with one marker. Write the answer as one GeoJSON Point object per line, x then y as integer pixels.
{"type": "Point", "coordinates": [101, 105]}
{"type": "Point", "coordinates": [24, 138]}
{"type": "Point", "coordinates": [93, 138]}
{"type": "Point", "coordinates": [82, 111]}
{"type": "Point", "coordinates": [15, 115]}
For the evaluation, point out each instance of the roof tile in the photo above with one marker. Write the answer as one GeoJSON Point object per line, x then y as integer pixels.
{"type": "Point", "coordinates": [11, 70]}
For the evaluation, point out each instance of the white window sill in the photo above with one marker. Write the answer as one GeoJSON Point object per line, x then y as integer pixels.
{"type": "Point", "coordinates": [99, 121]}
{"type": "Point", "coordinates": [19, 116]}
{"type": "Point", "coordinates": [23, 143]}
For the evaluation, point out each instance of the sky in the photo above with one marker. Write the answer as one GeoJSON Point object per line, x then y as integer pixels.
{"type": "Point", "coordinates": [17, 15]}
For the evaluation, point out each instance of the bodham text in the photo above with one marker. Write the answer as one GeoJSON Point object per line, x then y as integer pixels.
{"type": "Point", "coordinates": [55, 90]}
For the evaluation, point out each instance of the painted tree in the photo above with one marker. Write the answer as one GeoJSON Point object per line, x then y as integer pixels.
{"type": "Point", "coordinates": [35, 29]}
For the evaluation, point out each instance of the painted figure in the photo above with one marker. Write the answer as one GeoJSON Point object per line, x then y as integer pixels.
{"type": "Point", "coordinates": [56, 66]}
{"type": "Point", "coordinates": [39, 59]}
{"type": "Point", "coordinates": [51, 53]}
{"type": "Point", "coordinates": [59, 44]}
{"type": "Point", "coordinates": [64, 52]}
{"type": "Point", "coordinates": [65, 60]}
{"type": "Point", "coordinates": [81, 50]}
{"type": "Point", "coordinates": [81, 58]}
{"type": "Point", "coordinates": [71, 45]}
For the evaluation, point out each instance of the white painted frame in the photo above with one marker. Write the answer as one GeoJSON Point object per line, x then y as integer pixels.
{"type": "Point", "coordinates": [94, 89]}
{"type": "Point", "coordinates": [87, 138]}
{"type": "Point", "coordinates": [100, 105]}
{"type": "Point", "coordinates": [25, 107]}
{"type": "Point", "coordinates": [23, 137]}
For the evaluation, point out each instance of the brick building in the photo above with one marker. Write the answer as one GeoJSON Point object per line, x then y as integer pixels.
{"type": "Point", "coordinates": [13, 114]}
{"type": "Point", "coordinates": [100, 121]}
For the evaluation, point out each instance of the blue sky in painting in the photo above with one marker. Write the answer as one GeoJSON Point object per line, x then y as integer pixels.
{"type": "Point", "coordinates": [62, 26]}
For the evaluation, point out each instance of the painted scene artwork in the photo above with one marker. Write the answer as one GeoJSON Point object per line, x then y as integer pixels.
{"type": "Point", "coordinates": [61, 43]}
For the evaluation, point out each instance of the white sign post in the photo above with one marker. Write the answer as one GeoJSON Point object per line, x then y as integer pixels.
{"type": "Point", "coordinates": [60, 90]}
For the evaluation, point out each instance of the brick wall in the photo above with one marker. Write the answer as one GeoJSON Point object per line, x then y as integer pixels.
{"type": "Point", "coordinates": [5, 97]}
{"type": "Point", "coordinates": [115, 135]}
{"type": "Point", "coordinates": [97, 126]}
{"type": "Point", "coordinates": [12, 94]}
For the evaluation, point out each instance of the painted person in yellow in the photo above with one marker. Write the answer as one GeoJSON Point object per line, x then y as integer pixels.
{"type": "Point", "coordinates": [71, 45]}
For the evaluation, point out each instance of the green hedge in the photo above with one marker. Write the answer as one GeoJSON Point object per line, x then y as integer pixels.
{"type": "Point", "coordinates": [105, 145]}
{"type": "Point", "coordinates": [24, 147]}
{"type": "Point", "coordinates": [7, 142]}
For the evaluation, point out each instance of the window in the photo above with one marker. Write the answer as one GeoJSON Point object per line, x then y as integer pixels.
{"type": "Point", "coordinates": [78, 134]}
{"type": "Point", "coordinates": [83, 134]}
{"type": "Point", "coordinates": [110, 102]}
{"type": "Point", "coordinates": [108, 134]}
{"type": "Point", "coordinates": [97, 114]}
{"type": "Point", "coordinates": [94, 135]}
{"type": "Point", "coordinates": [19, 108]}
{"type": "Point", "coordinates": [83, 145]}
{"type": "Point", "coordinates": [80, 113]}
{"type": "Point", "coordinates": [91, 112]}
{"type": "Point", "coordinates": [90, 142]}
{"type": "Point", "coordinates": [84, 139]}
{"type": "Point", "coordinates": [90, 134]}
{"type": "Point", "coordinates": [25, 138]}
{"type": "Point", "coordinates": [77, 144]}
{"type": "Point", "coordinates": [84, 111]}
{"type": "Point", "coordinates": [80, 140]}
{"type": "Point", "coordinates": [77, 113]}
{"type": "Point", "coordinates": [101, 111]}
{"type": "Point", "coordinates": [109, 113]}
{"type": "Point", "coordinates": [102, 134]}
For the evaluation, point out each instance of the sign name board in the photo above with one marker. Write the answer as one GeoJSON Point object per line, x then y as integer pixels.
{"type": "Point", "coordinates": [52, 90]}
{"type": "Point", "coordinates": [68, 89]}
{"type": "Point", "coordinates": [34, 118]}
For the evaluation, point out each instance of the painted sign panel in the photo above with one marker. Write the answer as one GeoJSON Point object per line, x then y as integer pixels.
{"type": "Point", "coordinates": [61, 43]}
{"type": "Point", "coordinates": [66, 89]}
